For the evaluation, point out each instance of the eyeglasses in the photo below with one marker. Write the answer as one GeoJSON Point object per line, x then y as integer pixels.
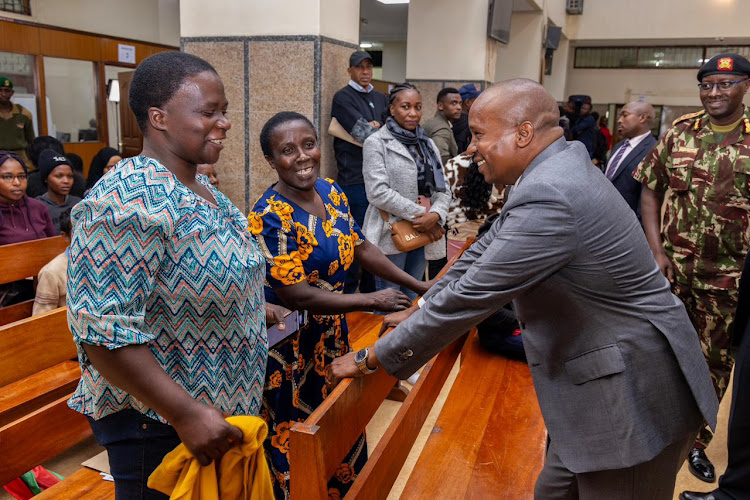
{"type": "Point", "coordinates": [8, 178]}
{"type": "Point", "coordinates": [708, 87]}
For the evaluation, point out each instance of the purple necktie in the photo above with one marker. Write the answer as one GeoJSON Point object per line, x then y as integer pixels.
{"type": "Point", "coordinates": [615, 162]}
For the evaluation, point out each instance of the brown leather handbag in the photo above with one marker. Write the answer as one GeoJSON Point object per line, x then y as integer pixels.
{"type": "Point", "coordinates": [404, 236]}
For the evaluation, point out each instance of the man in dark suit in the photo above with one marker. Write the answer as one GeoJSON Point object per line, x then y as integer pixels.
{"type": "Point", "coordinates": [616, 364]}
{"type": "Point", "coordinates": [735, 483]}
{"type": "Point", "coordinates": [634, 124]}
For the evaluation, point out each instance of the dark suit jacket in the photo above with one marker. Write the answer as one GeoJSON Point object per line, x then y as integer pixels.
{"type": "Point", "coordinates": [629, 188]}
{"type": "Point", "coordinates": [616, 363]}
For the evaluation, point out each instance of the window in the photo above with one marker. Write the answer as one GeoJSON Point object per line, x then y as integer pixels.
{"type": "Point", "coordinates": [714, 51]}
{"type": "Point", "coordinates": [608, 57]}
{"type": "Point", "coordinates": [71, 89]}
{"type": "Point", "coordinates": [651, 57]}
{"type": "Point", "coordinates": [670, 57]}
{"type": "Point", "coordinates": [16, 6]}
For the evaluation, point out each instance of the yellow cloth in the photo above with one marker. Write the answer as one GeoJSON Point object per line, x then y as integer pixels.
{"type": "Point", "coordinates": [242, 474]}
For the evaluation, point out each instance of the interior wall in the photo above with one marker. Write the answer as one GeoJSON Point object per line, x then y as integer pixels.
{"type": "Point", "coordinates": [250, 18]}
{"type": "Point", "coordinates": [603, 19]}
{"type": "Point", "coordinates": [336, 18]}
{"type": "Point", "coordinates": [556, 82]}
{"type": "Point", "coordinates": [522, 57]}
{"type": "Point", "coordinates": [394, 62]}
{"type": "Point", "coordinates": [447, 40]}
{"type": "Point", "coordinates": [155, 21]}
{"type": "Point", "coordinates": [658, 86]}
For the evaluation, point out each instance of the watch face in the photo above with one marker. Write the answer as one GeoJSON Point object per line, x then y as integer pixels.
{"type": "Point", "coordinates": [360, 356]}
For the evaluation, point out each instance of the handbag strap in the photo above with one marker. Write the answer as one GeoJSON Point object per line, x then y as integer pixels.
{"type": "Point", "coordinates": [384, 216]}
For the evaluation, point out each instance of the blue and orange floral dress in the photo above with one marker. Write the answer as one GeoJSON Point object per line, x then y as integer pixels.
{"type": "Point", "coordinates": [299, 246]}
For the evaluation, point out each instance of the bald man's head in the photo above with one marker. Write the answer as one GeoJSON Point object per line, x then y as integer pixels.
{"type": "Point", "coordinates": [522, 100]}
{"type": "Point", "coordinates": [512, 122]}
{"type": "Point", "coordinates": [635, 119]}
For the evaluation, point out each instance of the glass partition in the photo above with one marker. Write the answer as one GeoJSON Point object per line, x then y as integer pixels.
{"type": "Point", "coordinates": [71, 90]}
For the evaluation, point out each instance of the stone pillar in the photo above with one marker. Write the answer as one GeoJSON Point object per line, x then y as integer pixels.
{"type": "Point", "coordinates": [447, 46]}
{"type": "Point", "coordinates": [283, 55]}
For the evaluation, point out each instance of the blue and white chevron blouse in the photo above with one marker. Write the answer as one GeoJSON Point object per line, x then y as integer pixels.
{"type": "Point", "coordinates": [153, 263]}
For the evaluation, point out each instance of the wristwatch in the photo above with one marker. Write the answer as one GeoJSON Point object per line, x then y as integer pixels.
{"type": "Point", "coordinates": [361, 359]}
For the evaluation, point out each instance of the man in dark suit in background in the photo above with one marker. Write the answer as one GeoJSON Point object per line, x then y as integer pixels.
{"type": "Point", "coordinates": [735, 483]}
{"type": "Point", "coordinates": [634, 124]}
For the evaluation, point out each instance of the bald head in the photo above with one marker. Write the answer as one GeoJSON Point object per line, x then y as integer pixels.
{"type": "Point", "coordinates": [635, 119]}
{"type": "Point", "coordinates": [512, 122]}
{"type": "Point", "coordinates": [520, 100]}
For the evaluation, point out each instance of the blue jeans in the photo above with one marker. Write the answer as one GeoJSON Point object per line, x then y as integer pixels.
{"type": "Point", "coordinates": [136, 445]}
{"type": "Point", "coordinates": [358, 204]}
{"type": "Point", "coordinates": [414, 263]}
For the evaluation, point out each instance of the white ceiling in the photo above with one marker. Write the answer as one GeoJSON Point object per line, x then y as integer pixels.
{"type": "Point", "coordinates": [382, 23]}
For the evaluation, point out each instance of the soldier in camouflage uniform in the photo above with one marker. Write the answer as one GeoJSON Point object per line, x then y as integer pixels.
{"type": "Point", "coordinates": [702, 167]}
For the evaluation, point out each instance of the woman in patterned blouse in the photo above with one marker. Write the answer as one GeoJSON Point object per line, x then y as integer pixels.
{"type": "Point", "coordinates": [165, 288]}
{"type": "Point", "coordinates": [310, 239]}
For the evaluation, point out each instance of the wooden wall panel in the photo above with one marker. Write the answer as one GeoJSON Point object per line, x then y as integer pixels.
{"type": "Point", "coordinates": [56, 43]}
{"type": "Point", "coordinates": [86, 150]}
{"type": "Point", "coordinates": [109, 51]}
{"type": "Point", "coordinates": [19, 38]}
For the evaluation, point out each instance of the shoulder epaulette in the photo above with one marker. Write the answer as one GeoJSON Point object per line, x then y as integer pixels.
{"type": "Point", "coordinates": [688, 117]}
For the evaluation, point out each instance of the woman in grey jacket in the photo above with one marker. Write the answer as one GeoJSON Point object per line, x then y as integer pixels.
{"type": "Point", "coordinates": [404, 178]}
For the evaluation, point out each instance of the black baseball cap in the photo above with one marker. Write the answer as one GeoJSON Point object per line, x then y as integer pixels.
{"type": "Point", "coordinates": [359, 56]}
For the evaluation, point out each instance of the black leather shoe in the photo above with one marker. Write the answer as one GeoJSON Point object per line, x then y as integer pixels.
{"type": "Point", "coordinates": [700, 466]}
{"type": "Point", "coordinates": [694, 495]}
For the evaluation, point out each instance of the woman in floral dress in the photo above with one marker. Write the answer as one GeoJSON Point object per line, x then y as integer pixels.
{"type": "Point", "coordinates": [309, 239]}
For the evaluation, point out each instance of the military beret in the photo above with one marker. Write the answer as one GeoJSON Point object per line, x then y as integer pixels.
{"type": "Point", "coordinates": [725, 64]}
{"type": "Point", "coordinates": [5, 82]}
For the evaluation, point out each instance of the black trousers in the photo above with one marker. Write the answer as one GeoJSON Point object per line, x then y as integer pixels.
{"type": "Point", "coordinates": [735, 483]}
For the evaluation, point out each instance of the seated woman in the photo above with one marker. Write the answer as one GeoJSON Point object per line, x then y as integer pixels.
{"type": "Point", "coordinates": [404, 179]}
{"type": "Point", "coordinates": [35, 186]}
{"type": "Point", "coordinates": [52, 282]}
{"type": "Point", "coordinates": [165, 286]}
{"type": "Point", "coordinates": [21, 219]}
{"type": "Point", "coordinates": [101, 163]}
{"type": "Point", "coordinates": [310, 239]}
{"type": "Point", "coordinates": [57, 174]}
{"type": "Point", "coordinates": [474, 199]}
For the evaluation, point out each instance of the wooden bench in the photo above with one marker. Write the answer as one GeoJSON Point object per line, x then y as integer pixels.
{"type": "Point", "coordinates": [24, 260]}
{"type": "Point", "coordinates": [489, 440]}
{"type": "Point", "coordinates": [38, 373]}
{"type": "Point", "coordinates": [318, 445]}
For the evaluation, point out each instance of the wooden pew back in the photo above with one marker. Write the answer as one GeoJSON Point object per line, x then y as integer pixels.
{"type": "Point", "coordinates": [318, 445]}
{"type": "Point", "coordinates": [16, 312]}
{"type": "Point", "coordinates": [23, 260]}
{"type": "Point", "coordinates": [39, 436]}
{"type": "Point", "coordinates": [33, 344]}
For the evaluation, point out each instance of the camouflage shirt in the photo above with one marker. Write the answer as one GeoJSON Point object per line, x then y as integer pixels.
{"type": "Point", "coordinates": [707, 199]}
